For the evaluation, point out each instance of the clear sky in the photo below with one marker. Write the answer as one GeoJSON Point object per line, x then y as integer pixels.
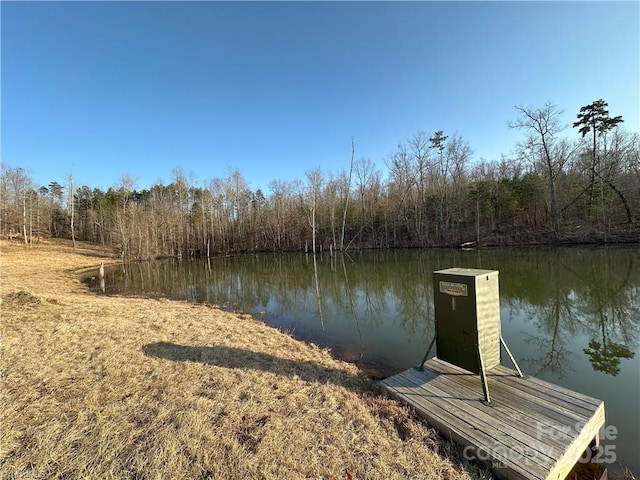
{"type": "Point", "coordinates": [275, 89]}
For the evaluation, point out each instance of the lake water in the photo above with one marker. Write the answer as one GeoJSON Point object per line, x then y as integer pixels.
{"type": "Point", "coordinates": [569, 315]}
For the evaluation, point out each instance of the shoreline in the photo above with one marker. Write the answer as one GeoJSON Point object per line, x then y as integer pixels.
{"type": "Point", "coordinates": [97, 386]}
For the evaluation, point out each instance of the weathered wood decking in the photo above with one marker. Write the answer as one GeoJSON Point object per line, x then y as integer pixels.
{"type": "Point", "coordinates": [532, 429]}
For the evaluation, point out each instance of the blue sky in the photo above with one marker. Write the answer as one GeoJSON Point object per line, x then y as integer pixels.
{"type": "Point", "coordinates": [274, 89]}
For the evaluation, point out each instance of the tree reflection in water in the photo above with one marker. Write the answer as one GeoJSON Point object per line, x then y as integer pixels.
{"type": "Point", "coordinates": [613, 306]}
{"type": "Point", "coordinates": [572, 301]}
{"type": "Point", "coordinates": [605, 357]}
{"type": "Point", "coordinates": [596, 295]}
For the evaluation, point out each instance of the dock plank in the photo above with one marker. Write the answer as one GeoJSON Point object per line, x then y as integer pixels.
{"type": "Point", "coordinates": [502, 370]}
{"type": "Point", "coordinates": [505, 412]}
{"type": "Point", "coordinates": [506, 434]}
{"type": "Point", "coordinates": [513, 389]}
{"type": "Point", "coordinates": [498, 414]}
{"type": "Point", "coordinates": [451, 427]}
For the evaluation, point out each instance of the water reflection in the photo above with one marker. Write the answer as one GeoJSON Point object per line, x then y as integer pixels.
{"type": "Point", "coordinates": [563, 293]}
{"type": "Point", "coordinates": [612, 310]}
{"type": "Point", "coordinates": [569, 315]}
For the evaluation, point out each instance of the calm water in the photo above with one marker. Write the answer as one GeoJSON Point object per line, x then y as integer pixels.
{"type": "Point", "coordinates": [569, 315]}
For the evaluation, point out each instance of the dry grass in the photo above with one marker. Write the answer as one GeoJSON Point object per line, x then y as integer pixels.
{"type": "Point", "coordinates": [113, 387]}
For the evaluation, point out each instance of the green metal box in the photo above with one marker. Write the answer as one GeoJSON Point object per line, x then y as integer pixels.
{"type": "Point", "coordinates": [467, 313]}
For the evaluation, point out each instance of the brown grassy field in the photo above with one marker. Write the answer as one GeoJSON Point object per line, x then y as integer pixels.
{"type": "Point", "coordinates": [114, 387]}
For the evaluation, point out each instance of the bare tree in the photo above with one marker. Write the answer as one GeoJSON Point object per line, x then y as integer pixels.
{"type": "Point", "coordinates": [24, 213]}
{"type": "Point", "coordinates": [440, 175]}
{"type": "Point", "coordinates": [347, 190]}
{"type": "Point", "coordinates": [541, 125]}
{"type": "Point", "coordinates": [459, 154]}
{"type": "Point", "coordinates": [72, 210]}
{"type": "Point", "coordinates": [315, 184]}
{"type": "Point", "coordinates": [419, 149]}
{"type": "Point", "coordinates": [330, 193]}
{"type": "Point", "coordinates": [401, 186]}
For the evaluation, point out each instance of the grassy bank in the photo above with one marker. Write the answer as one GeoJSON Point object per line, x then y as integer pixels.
{"type": "Point", "coordinates": [114, 387]}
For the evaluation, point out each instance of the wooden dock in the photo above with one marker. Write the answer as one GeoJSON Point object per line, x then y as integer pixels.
{"type": "Point", "coordinates": [532, 429]}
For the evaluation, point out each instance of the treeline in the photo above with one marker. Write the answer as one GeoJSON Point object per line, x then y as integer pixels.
{"type": "Point", "coordinates": [432, 193]}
